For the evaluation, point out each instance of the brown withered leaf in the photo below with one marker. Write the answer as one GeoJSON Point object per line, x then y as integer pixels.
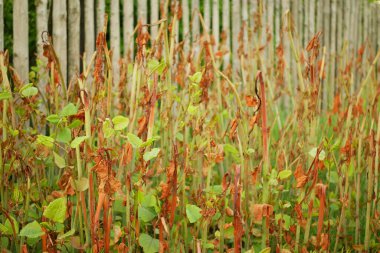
{"type": "Point", "coordinates": [165, 190]}
{"type": "Point", "coordinates": [143, 123]}
{"type": "Point", "coordinates": [300, 176]}
{"type": "Point", "coordinates": [261, 210]}
{"type": "Point", "coordinates": [226, 182]}
{"type": "Point", "coordinates": [233, 129]}
{"type": "Point", "coordinates": [65, 183]}
{"type": "Point", "coordinates": [321, 194]}
{"type": "Point", "coordinates": [128, 152]}
{"type": "Point", "coordinates": [107, 181]}
{"type": "Point", "coordinates": [253, 120]}
{"type": "Point", "coordinates": [254, 175]}
{"type": "Point", "coordinates": [324, 241]}
{"type": "Point", "coordinates": [219, 157]}
{"type": "Point", "coordinates": [251, 101]}
{"type": "Point", "coordinates": [337, 104]}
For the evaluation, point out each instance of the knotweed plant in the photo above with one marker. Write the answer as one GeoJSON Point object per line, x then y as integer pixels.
{"type": "Point", "coordinates": [187, 154]}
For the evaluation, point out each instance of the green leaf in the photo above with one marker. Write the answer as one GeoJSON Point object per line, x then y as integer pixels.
{"type": "Point", "coordinates": [231, 150]}
{"type": "Point", "coordinates": [151, 154]}
{"type": "Point", "coordinates": [286, 219]}
{"type": "Point", "coordinates": [313, 153]}
{"type": "Point", "coordinates": [154, 65]}
{"type": "Point", "coordinates": [214, 189]}
{"type": "Point", "coordinates": [5, 95]}
{"type": "Point", "coordinates": [14, 132]}
{"type": "Point", "coordinates": [150, 141]}
{"type": "Point", "coordinates": [17, 195]}
{"type": "Point", "coordinates": [179, 136]}
{"type": "Point", "coordinates": [193, 213]}
{"type": "Point", "coordinates": [53, 118]}
{"type": "Point", "coordinates": [107, 129]}
{"type": "Point", "coordinates": [135, 141]}
{"type": "Point", "coordinates": [284, 174]}
{"type": "Point", "coordinates": [28, 90]}
{"type": "Point", "coordinates": [228, 148]}
{"type": "Point", "coordinates": [6, 229]}
{"type": "Point", "coordinates": [146, 214]}
{"type": "Point", "coordinates": [149, 200]}
{"type": "Point", "coordinates": [64, 135]}
{"type": "Point", "coordinates": [266, 250]}
{"type": "Point", "coordinates": [334, 177]}
{"type": "Point", "coordinates": [250, 151]}
{"type": "Point", "coordinates": [67, 234]}
{"type": "Point", "coordinates": [192, 110]}
{"type": "Point", "coordinates": [68, 110]}
{"type": "Point", "coordinates": [76, 123]}
{"type": "Point", "coordinates": [148, 243]}
{"type": "Point", "coordinates": [56, 210]}
{"type": "Point", "coordinates": [32, 230]}
{"type": "Point", "coordinates": [120, 122]}
{"type": "Point", "coordinates": [59, 161]}
{"type": "Point", "coordinates": [196, 77]}
{"type": "Point", "coordinates": [81, 184]}
{"type": "Point", "coordinates": [77, 141]}
{"type": "Point", "coordinates": [45, 140]}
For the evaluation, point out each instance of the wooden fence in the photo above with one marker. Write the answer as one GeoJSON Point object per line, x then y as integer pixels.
{"type": "Point", "coordinates": [346, 25]}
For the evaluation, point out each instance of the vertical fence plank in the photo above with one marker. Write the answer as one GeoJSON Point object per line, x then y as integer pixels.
{"type": "Point", "coordinates": [268, 24]}
{"type": "Point", "coordinates": [73, 37]}
{"type": "Point", "coordinates": [100, 11]}
{"type": "Point", "coordinates": [332, 45]}
{"type": "Point", "coordinates": [299, 20]}
{"type": "Point", "coordinates": [115, 41]}
{"type": "Point", "coordinates": [235, 34]}
{"type": "Point", "coordinates": [215, 22]}
{"type": "Point", "coordinates": [41, 23]}
{"type": "Point", "coordinates": [339, 24]}
{"type": "Point", "coordinates": [252, 12]}
{"type": "Point", "coordinates": [154, 16]}
{"type": "Point", "coordinates": [185, 25]}
{"type": "Point", "coordinates": [41, 26]}
{"type": "Point", "coordinates": [128, 25]}
{"type": "Point", "coordinates": [312, 18]}
{"type": "Point", "coordinates": [195, 21]}
{"type": "Point", "coordinates": [326, 43]}
{"type": "Point", "coordinates": [206, 14]}
{"type": "Point", "coordinates": [244, 15]}
{"type": "Point", "coordinates": [306, 24]}
{"type": "Point", "coordinates": [287, 51]}
{"type": "Point", "coordinates": [142, 10]}
{"type": "Point", "coordinates": [349, 16]}
{"type": "Point", "coordinates": [226, 30]}
{"type": "Point", "coordinates": [20, 38]}
{"type": "Point", "coordinates": [277, 22]}
{"type": "Point", "coordinates": [89, 29]}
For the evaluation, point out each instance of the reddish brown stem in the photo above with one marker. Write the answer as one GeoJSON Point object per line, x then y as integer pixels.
{"type": "Point", "coordinates": [106, 224]}
{"type": "Point", "coordinates": [263, 110]}
{"type": "Point", "coordinates": [92, 205]}
{"type": "Point", "coordinates": [98, 209]}
{"type": "Point", "coordinates": [238, 226]}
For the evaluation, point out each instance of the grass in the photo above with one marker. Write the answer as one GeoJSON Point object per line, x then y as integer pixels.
{"type": "Point", "coordinates": [185, 155]}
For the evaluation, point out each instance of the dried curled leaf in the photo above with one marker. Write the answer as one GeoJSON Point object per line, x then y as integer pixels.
{"type": "Point", "coordinates": [261, 210]}
{"type": "Point", "coordinates": [107, 182]}
{"type": "Point", "coordinates": [300, 176]}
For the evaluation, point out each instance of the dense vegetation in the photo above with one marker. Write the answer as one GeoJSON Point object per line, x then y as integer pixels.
{"type": "Point", "coordinates": [186, 155]}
